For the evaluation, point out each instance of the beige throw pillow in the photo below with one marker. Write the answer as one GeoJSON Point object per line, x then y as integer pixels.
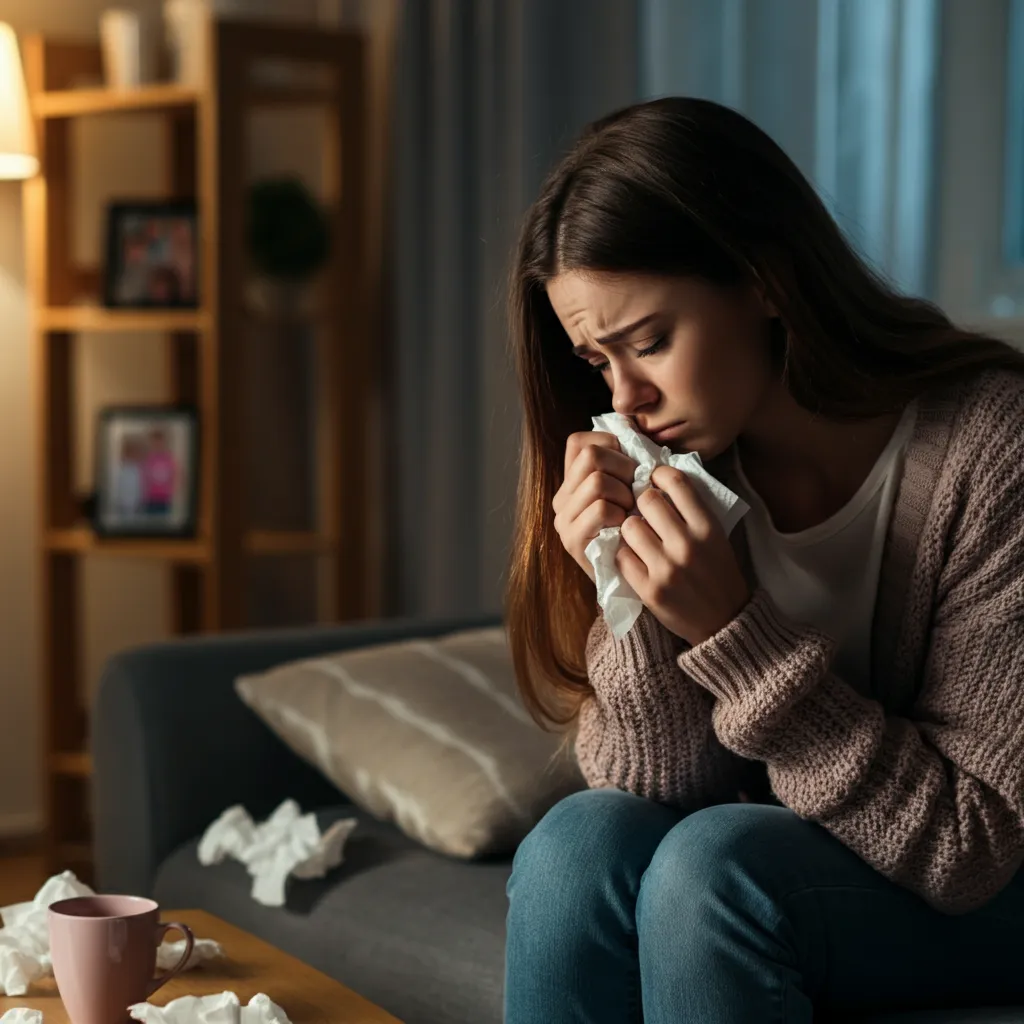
{"type": "Point", "coordinates": [427, 733]}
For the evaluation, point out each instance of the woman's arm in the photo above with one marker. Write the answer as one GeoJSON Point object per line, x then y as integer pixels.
{"type": "Point", "coordinates": [648, 729]}
{"type": "Point", "coordinates": [934, 801]}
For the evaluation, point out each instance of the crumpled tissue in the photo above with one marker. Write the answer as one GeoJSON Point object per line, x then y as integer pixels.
{"type": "Point", "coordinates": [25, 937]}
{"type": "Point", "coordinates": [618, 600]}
{"type": "Point", "coordinates": [22, 1015]}
{"type": "Point", "coordinates": [222, 1008]}
{"type": "Point", "coordinates": [288, 844]}
{"type": "Point", "coordinates": [169, 953]}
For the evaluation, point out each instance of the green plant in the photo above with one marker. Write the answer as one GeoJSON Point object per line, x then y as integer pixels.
{"type": "Point", "coordinates": [287, 230]}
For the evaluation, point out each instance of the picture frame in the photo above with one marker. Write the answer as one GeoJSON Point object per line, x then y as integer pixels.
{"type": "Point", "coordinates": [152, 255]}
{"type": "Point", "coordinates": [147, 471]}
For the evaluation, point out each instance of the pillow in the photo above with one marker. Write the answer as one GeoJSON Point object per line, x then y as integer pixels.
{"type": "Point", "coordinates": [428, 733]}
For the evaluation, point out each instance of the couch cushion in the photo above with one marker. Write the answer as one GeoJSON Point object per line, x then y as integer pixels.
{"type": "Point", "coordinates": [415, 932]}
{"type": "Point", "coordinates": [428, 733]}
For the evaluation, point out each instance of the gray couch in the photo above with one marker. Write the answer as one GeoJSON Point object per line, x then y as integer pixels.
{"type": "Point", "coordinates": [418, 933]}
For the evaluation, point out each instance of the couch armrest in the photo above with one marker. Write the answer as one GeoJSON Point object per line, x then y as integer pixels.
{"type": "Point", "coordinates": [173, 745]}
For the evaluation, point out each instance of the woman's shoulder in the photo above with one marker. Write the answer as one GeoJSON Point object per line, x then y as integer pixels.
{"type": "Point", "coordinates": [987, 425]}
{"type": "Point", "coordinates": [977, 505]}
{"type": "Point", "coordinates": [977, 481]}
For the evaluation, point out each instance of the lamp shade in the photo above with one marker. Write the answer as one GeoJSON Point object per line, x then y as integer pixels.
{"type": "Point", "coordinates": [17, 139]}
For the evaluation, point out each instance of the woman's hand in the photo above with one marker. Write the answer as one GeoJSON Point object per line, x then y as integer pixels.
{"type": "Point", "coordinates": [597, 491]}
{"type": "Point", "coordinates": [679, 561]}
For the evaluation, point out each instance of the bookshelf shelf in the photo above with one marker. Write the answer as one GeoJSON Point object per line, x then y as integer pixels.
{"type": "Point", "coordinates": [81, 540]}
{"type": "Point", "coordinates": [96, 318]}
{"type": "Point", "coordinates": [61, 103]}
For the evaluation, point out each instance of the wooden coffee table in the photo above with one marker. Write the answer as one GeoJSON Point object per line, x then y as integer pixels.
{"type": "Point", "coordinates": [250, 965]}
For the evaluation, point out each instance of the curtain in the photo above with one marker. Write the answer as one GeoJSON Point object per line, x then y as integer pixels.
{"type": "Point", "coordinates": [488, 93]}
{"type": "Point", "coordinates": [846, 87]}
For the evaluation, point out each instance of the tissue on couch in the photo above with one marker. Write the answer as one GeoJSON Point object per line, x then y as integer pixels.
{"type": "Point", "coordinates": [287, 844]}
{"type": "Point", "coordinates": [618, 600]}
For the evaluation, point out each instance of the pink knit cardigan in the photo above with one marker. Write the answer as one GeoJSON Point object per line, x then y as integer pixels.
{"type": "Point", "coordinates": [923, 777]}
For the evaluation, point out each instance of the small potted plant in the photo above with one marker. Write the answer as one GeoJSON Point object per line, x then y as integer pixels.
{"type": "Point", "coordinates": [288, 239]}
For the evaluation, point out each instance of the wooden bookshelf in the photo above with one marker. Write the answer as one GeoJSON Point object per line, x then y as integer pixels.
{"type": "Point", "coordinates": [206, 161]}
{"type": "Point", "coordinates": [96, 318]}
{"type": "Point", "coordinates": [83, 102]}
{"type": "Point", "coordinates": [80, 540]}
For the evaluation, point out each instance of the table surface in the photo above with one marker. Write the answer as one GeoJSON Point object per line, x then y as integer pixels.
{"type": "Point", "coordinates": [250, 965]}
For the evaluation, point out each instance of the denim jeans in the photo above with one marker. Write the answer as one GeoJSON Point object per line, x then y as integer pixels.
{"type": "Point", "coordinates": [622, 910]}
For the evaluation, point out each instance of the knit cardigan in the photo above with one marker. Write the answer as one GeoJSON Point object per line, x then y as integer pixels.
{"type": "Point", "coordinates": [923, 777]}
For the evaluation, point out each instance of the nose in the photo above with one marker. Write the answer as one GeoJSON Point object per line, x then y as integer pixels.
{"type": "Point", "coordinates": [631, 394]}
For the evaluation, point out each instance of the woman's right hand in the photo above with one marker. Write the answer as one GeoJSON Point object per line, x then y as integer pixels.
{"type": "Point", "coordinates": [596, 492]}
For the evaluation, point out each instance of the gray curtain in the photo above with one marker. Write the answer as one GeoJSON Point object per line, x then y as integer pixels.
{"type": "Point", "coordinates": [488, 94]}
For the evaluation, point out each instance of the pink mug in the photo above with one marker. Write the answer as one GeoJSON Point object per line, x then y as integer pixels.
{"type": "Point", "coordinates": [104, 954]}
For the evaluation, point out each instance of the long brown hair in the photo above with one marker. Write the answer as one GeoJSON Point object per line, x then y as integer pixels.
{"type": "Point", "coordinates": [688, 187]}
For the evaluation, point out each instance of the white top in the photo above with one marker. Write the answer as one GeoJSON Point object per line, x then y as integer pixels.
{"type": "Point", "coordinates": [827, 576]}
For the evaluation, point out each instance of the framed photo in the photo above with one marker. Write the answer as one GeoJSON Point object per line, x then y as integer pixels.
{"type": "Point", "coordinates": [147, 471]}
{"type": "Point", "coordinates": [152, 256]}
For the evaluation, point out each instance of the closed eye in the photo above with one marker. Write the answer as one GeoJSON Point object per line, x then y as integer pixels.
{"type": "Point", "coordinates": [655, 346]}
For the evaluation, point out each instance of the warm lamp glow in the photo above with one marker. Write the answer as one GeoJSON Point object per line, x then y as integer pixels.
{"type": "Point", "coordinates": [17, 142]}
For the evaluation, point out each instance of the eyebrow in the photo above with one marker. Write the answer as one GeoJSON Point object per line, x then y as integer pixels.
{"type": "Point", "coordinates": [616, 335]}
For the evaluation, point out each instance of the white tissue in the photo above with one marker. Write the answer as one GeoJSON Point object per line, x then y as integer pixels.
{"type": "Point", "coordinates": [25, 935]}
{"type": "Point", "coordinates": [22, 1015]}
{"type": "Point", "coordinates": [169, 953]}
{"type": "Point", "coordinates": [287, 844]}
{"type": "Point", "coordinates": [222, 1008]}
{"type": "Point", "coordinates": [618, 600]}
{"type": "Point", "coordinates": [25, 938]}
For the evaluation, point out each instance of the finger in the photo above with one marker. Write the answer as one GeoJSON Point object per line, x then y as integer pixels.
{"type": "Point", "coordinates": [663, 517]}
{"type": "Point", "coordinates": [598, 516]}
{"type": "Point", "coordinates": [596, 487]}
{"type": "Point", "coordinates": [684, 492]}
{"type": "Point", "coordinates": [600, 458]}
{"type": "Point", "coordinates": [643, 540]}
{"type": "Point", "coordinates": [578, 441]}
{"type": "Point", "coordinates": [632, 568]}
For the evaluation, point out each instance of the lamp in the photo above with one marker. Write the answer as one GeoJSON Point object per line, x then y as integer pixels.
{"type": "Point", "coordinates": [17, 139]}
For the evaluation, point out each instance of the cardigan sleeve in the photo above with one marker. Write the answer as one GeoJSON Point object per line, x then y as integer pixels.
{"type": "Point", "coordinates": [647, 728]}
{"type": "Point", "coordinates": [933, 800]}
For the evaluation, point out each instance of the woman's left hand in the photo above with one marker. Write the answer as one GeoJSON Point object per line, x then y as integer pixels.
{"type": "Point", "coordinates": [679, 561]}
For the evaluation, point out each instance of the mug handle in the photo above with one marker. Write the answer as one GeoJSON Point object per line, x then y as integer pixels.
{"type": "Point", "coordinates": [161, 930]}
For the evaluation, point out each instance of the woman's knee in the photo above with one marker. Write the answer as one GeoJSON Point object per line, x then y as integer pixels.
{"type": "Point", "coordinates": [729, 851]}
{"type": "Point", "coordinates": [587, 840]}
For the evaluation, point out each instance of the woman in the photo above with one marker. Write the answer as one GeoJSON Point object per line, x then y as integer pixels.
{"type": "Point", "coordinates": [806, 759]}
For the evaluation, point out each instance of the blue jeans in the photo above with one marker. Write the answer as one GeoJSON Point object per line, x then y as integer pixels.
{"type": "Point", "coordinates": [622, 910]}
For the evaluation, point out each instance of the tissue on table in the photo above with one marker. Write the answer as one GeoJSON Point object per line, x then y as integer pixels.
{"type": "Point", "coordinates": [288, 844]}
{"type": "Point", "coordinates": [25, 937]}
{"type": "Point", "coordinates": [222, 1008]}
{"type": "Point", "coordinates": [22, 1015]}
{"type": "Point", "coordinates": [618, 600]}
{"type": "Point", "coordinates": [169, 953]}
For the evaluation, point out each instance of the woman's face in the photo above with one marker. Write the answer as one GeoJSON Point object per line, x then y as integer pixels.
{"type": "Point", "coordinates": [677, 352]}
